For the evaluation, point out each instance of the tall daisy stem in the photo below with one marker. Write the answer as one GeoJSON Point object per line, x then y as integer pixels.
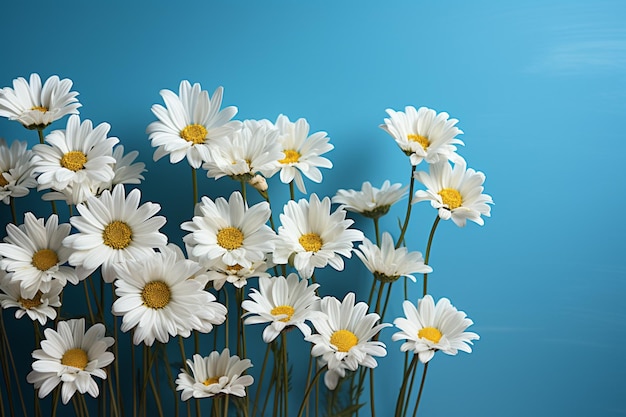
{"type": "Point", "coordinates": [402, 392]}
{"type": "Point", "coordinates": [305, 400]}
{"type": "Point", "coordinates": [428, 246]}
{"type": "Point", "coordinates": [12, 204]}
{"type": "Point", "coordinates": [405, 225]}
{"type": "Point", "coordinates": [194, 185]}
{"type": "Point", "coordinates": [258, 392]}
{"type": "Point", "coordinates": [283, 337]}
{"type": "Point", "coordinates": [419, 393]}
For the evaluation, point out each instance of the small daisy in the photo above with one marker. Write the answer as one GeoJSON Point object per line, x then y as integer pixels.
{"type": "Point", "coordinates": [388, 263]}
{"type": "Point", "coordinates": [343, 337]}
{"type": "Point", "coordinates": [283, 302]}
{"type": "Point", "coordinates": [34, 252]}
{"type": "Point", "coordinates": [113, 228]}
{"type": "Point", "coordinates": [35, 106]}
{"type": "Point", "coordinates": [125, 169]}
{"type": "Point", "coordinates": [40, 307]}
{"type": "Point", "coordinates": [423, 134]}
{"type": "Point", "coordinates": [370, 201]}
{"type": "Point", "coordinates": [189, 122]}
{"type": "Point", "coordinates": [219, 273]}
{"type": "Point", "coordinates": [73, 194]}
{"type": "Point", "coordinates": [428, 328]}
{"type": "Point", "coordinates": [314, 236]}
{"type": "Point", "coordinates": [16, 170]}
{"type": "Point", "coordinates": [216, 374]}
{"type": "Point", "coordinates": [455, 192]}
{"type": "Point", "coordinates": [71, 356]}
{"type": "Point", "coordinates": [230, 231]}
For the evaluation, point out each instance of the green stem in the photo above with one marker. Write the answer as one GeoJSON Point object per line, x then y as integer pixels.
{"type": "Point", "coordinates": [419, 394]}
{"type": "Point", "coordinates": [402, 391]}
{"type": "Point", "coordinates": [308, 389]}
{"type": "Point", "coordinates": [377, 231]}
{"type": "Point", "coordinates": [405, 225]}
{"type": "Point", "coordinates": [410, 389]}
{"type": "Point", "coordinates": [292, 193]}
{"type": "Point", "coordinates": [12, 204]}
{"type": "Point", "coordinates": [258, 392]}
{"type": "Point", "coordinates": [285, 376]}
{"type": "Point", "coordinates": [428, 246]}
{"type": "Point", "coordinates": [194, 185]}
{"type": "Point", "coordinates": [243, 190]}
{"type": "Point", "coordinates": [372, 406]}
{"type": "Point", "coordinates": [170, 379]}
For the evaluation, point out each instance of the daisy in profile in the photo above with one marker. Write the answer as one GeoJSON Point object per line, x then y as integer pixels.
{"type": "Point", "coordinates": [41, 307]}
{"type": "Point", "coordinates": [219, 273]}
{"type": "Point", "coordinates": [428, 328]}
{"type": "Point", "coordinates": [189, 122]}
{"type": "Point", "coordinates": [16, 167]}
{"type": "Point", "coordinates": [455, 192]}
{"type": "Point", "coordinates": [370, 201]}
{"type": "Point", "coordinates": [388, 263]}
{"type": "Point", "coordinates": [314, 236]}
{"type": "Point", "coordinates": [36, 106]}
{"type": "Point", "coordinates": [216, 374]}
{"type": "Point", "coordinates": [343, 337]}
{"type": "Point", "coordinates": [35, 254]}
{"type": "Point", "coordinates": [71, 357]}
{"type": "Point", "coordinates": [230, 231]}
{"type": "Point", "coordinates": [113, 228]}
{"type": "Point", "coordinates": [424, 134]}
{"type": "Point", "coordinates": [282, 302]}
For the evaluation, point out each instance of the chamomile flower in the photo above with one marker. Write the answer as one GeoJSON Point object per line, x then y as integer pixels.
{"type": "Point", "coordinates": [314, 236]}
{"type": "Point", "coordinates": [343, 338]}
{"type": "Point", "coordinates": [281, 302]}
{"type": "Point", "coordinates": [35, 254]}
{"type": "Point", "coordinates": [113, 228]}
{"type": "Point", "coordinates": [388, 263]}
{"type": "Point", "coordinates": [35, 106]}
{"type": "Point", "coordinates": [189, 122]}
{"type": "Point", "coordinates": [16, 170]}
{"type": "Point", "coordinates": [41, 307]}
{"type": "Point", "coordinates": [216, 374]}
{"type": "Point", "coordinates": [370, 201]}
{"type": "Point", "coordinates": [424, 134]}
{"type": "Point", "coordinates": [428, 328]}
{"type": "Point", "coordinates": [455, 192]}
{"type": "Point", "coordinates": [71, 357]}
{"type": "Point", "coordinates": [219, 273]}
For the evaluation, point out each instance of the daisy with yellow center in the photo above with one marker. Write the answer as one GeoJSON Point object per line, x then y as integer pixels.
{"type": "Point", "coordinates": [219, 273]}
{"type": "Point", "coordinates": [40, 307]}
{"type": "Point", "coordinates": [370, 201]}
{"type": "Point", "coordinates": [16, 170]}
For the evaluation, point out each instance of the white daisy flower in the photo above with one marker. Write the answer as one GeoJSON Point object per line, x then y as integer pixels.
{"type": "Point", "coordinates": [428, 328]}
{"type": "Point", "coordinates": [370, 201]}
{"type": "Point", "coordinates": [189, 122]}
{"type": "Point", "coordinates": [314, 236]}
{"type": "Point", "coordinates": [455, 192]}
{"type": "Point", "coordinates": [113, 228]}
{"type": "Point", "coordinates": [157, 298]}
{"type": "Point", "coordinates": [16, 170]}
{"type": "Point", "coordinates": [72, 194]}
{"type": "Point", "coordinates": [230, 231]}
{"type": "Point", "coordinates": [219, 273]}
{"type": "Point", "coordinates": [216, 374]}
{"type": "Point", "coordinates": [41, 307]}
{"type": "Point", "coordinates": [302, 152]}
{"type": "Point", "coordinates": [388, 263]}
{"type": "Point", "coordinates": [34, 252]}
{"type": "Point", "coordinates": [283, 302]}
{"type": "Point", "coordinates": [423, 134]}
{"type": "Point", "coordinates": [35, 106]}
{"type": "Point", "coordinates": [71, 356]}
{"type": "Point", "coordinates": [343, 337]}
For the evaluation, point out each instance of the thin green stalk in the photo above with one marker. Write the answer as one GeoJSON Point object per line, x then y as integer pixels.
{"type": "Point", "coordinates": [258, 392]}
{"type": "Point", "coordinates": [285, 376]}
{"type": "Point", "coordinates": [55, 401]}
{"type": "Point", "coordinates": [84, 404]}
{"type": "Point", "coordinates": [428, 246]}
{"type": "Point", "coordinates": [194, 185]}
{"type": "Point", "coordinates": [155, 392]}
{"type": "Point", "coordinates": [181, 345]}
{"type": "Point", "coordinates": [170, 380]}
{"type": "Point", "coordinates": [243, 190]}
{"type": "Point", "coordinates": [405, 225]}
{"type": "Point", "coordinates": [377, 231]}
{"type": "Point", "coordinates": [410, 389]}
{"type": "Point", "coordinates": [12, 364]}
{"type": "Point", "coordinates": [402, 392]}
{"type": "Point", "coordinates": [372, 406]}
{"type": "Point", "coordinates": [6, 373]}
{"type": "Point", "coordinates": [226, 337]}
{"type": "Point", "coordinates": [114, 409]}
{"type": "Point", "coordinates": [1, 405]}
{"type": "Point", "coordinates": [419, 394]}
{"type": "Point", "coordinates": [77, 408]}
{"type": "Point", "coordinates": [133, 366]}
{"type": "Point", "coordinates": [226, 401]}
{"type": "Point", "coordinates": [308, 389]}
{"type": "Point", "coordinates": [12, 204]}
{"type": "Point", "coordinates": [382, 314]}
{"type": "Point", "coordinates": [292, 193]}
{"type": "Point", "coordinates": [87, 298]}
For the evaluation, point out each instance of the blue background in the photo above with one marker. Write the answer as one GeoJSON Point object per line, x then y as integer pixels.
{"type": "Point", "coordinates": [538, 87]}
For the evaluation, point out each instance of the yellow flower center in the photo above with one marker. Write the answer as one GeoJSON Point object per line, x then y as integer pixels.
{"type": "Point", "coordinates": [3, 181]}
{"type": "Point", "coordinates": [117, 235]}
{"type": "Point", "coordinates": [451, 197]}
{"type": "Point", "coordinates": [291, 156]}
{"type": "Point", "coordinates": [230, 238]}
{"type": "Point", "coordinates": [45, 259]}
{"type": "Point", "coordinates": [288, 310]}
{"type": "Point", "coordinates": [42, 109]}
{"type": "Point", "coordinates": [212, 380]}
{"type": "Point", "coordinates": [422, 140]}
{"type": "Point", "coordinates": [344, 340]}
{"type": "Point", "coordinates": [73, 160]}
{"type": "Point", "coordinates": [29, 303]}
{"type": "Point", "coordinates": [311, 242]}
{"type": "Point", "coordinates": [156, 294]}
{"type": "Point", "coordinates": [75, 357]}
{"type": "Point", "coordinates": [194, 133]}
{"type": "Point", "coordinates": [430, 333]}
{"type": "Point", "coordinates": [234, 268]}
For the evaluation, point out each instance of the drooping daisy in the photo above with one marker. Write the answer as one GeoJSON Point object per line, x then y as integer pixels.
{"type": "Point", "coordinates": [35, 254]}
{"type": "Point", "coordinates": [428, 328]}
{"type": "Point", "coordinates": [230, 231]}
{"type": "Point", "coordinates": [424, 134]}
{"type": "Point", "coordinates": [283, 302]}
{"type": "Point", "coordinates": [455, 192]}
{"type": "Point", "coordinates": [35, 106]}
{"type": "Point", "coordinates": [157, 298]}
{"type": "Point", "coordinates": [343, 337]}
{"type": "Point", "coordinates": [41, 307]}
{"type": "Point", "coordinates": [216, 374]}
{"type": "Point", "coordinates": [113, 228]}
{"type": "Point", "coordinates": [314, 236]}
{"type": "Point", "coordinates": [189, 122]}
{"type": "Point", "coordinates": [388, 263]}
{"type": "Point", "coordinates": [219, 273]}
{"type": "Point", "coordinates": [71, 356]}
{"type": "Point", "coordinates": [16, 170]}
{"type": "Point", "coordinates": [370, 201]}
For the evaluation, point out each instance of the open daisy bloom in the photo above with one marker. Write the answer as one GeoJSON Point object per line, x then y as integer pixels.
{"type": "Point", "coordinates": [428, 328]}
{"type": "Point", "coordinates": [216, 374]}
{"type": "Point", "coordinates": [370, 201]}
{"type": "Point", "coordinates": [35, 106]}
{"type": "Point", "coordinates": [16, 169]}
{"type": "Point", "coordinates": [71, 356]}
{"type": "Point", "coordinates": [41, 307]}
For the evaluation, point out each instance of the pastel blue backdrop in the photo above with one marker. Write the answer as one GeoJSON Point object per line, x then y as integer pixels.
{"type": "Point", "coordinates": [538, 87]}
